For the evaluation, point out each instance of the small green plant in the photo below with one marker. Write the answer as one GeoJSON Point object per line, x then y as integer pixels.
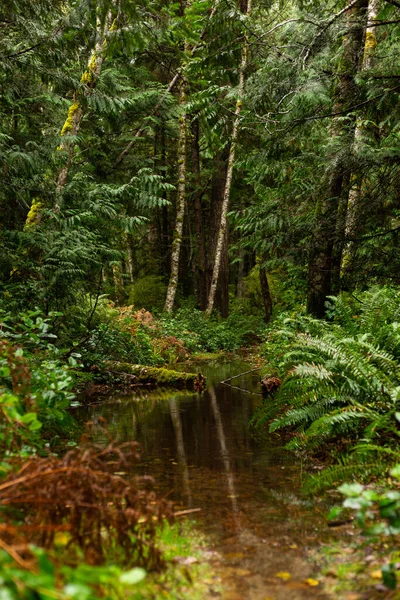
{"type": "Point", "coordinates": [200, 334]}
{"type": "Point", "coordinates": [35, 385]}
{"type": "Point", "coordinates": [377, 513]}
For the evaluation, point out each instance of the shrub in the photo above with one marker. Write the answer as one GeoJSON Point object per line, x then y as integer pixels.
{"type": "Point", "coordinates": [210, 335]}
{"type": "Point", "coordinates": [341, 380]}
{"type": "Point", "coordinates": [35, 386]}
{"type": "Point", "coordinates": [148, 292]}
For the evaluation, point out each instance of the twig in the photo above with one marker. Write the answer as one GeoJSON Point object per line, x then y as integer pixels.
{"type": "Point", "coordinates": [236, 387]}
{"type": "Point", "coordinates": [240, 374]}
{"type": "Point", "coordinates": [188, 511]}
{"type": "Point", "coordinates": [18, 559]}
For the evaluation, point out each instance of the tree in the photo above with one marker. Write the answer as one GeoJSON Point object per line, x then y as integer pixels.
{"type": "Point", "coordinates": [336, 179]}
{"type": "Point", "coordinates": [229, 173]}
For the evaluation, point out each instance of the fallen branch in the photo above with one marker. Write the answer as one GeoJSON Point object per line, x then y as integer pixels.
{"type": "Point", "coordinates": [188, 511]}
{"type": "Point", "coordinates": [240, 374]}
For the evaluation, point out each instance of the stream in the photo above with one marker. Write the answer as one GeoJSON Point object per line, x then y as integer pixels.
{"type": "Point", "coordinates": [201, 450]}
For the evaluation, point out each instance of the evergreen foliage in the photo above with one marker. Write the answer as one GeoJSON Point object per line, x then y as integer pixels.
{"type": "Point", "coordinates": [342, 382]}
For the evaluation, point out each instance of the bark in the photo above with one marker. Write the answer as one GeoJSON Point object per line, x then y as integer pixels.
{"type": "Point", "coordinates": [158, 376]}
{"type": "Point", "coordinates": [73, 122]}
{"type": "Point", "coordinates": [118, 284]}
{"type": "Point", "coordinates": [74, 118]}
{"type": "Point", "coordinates": [181, 200]}
{"type": "Point", "coordinates": [354, 209]}
{"type": "Point", "coordinates": [221, 303]}
{"type": "Point", "coordinates": [229, 175]}
{"type": "Point", "coordinates": [164, 211]}
{"type": "Point", "coordinates": [326, 212]}
{"type": "Point", "coordinates": [129, 252]}
{"type": "Point", "coordinates": [201, 275]}
{"type": "Point", "coordinates": [338, 248]}
{"type": "Point", "coordinates": [266, 294]}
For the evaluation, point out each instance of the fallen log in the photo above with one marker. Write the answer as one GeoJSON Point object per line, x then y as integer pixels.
{"type": "Point", "coordinates": [157, 376]}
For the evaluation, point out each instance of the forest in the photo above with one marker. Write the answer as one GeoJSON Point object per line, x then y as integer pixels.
{"type": "Point", "coordinates": [199, 299]}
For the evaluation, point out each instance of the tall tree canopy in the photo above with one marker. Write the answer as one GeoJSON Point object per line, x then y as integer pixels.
{"type": "Point", "coordinates": [198, 143]}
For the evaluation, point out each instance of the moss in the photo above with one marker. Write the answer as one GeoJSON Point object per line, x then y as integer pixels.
{"type": "Point", "coordinates": [370, 42]}
{"type": "Point", "coordinates": [158, 376]}
{"type": "Point", "coordinates": [114, 25]}
{"type": "Point", "coordinates": [87, 77]}
{"type": "Point", "coordinates": [33, 214]}
{"type": "Point", "coordinates": [93, 62]}
{"type": "Point", "coordinates": [69, 123]}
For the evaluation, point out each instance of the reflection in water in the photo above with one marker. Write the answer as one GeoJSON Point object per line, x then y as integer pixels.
{"type": "Point", "coordinates": [224, 452]}
{"type": "Point", "coordinates": [180, 447]}
{"type": "Point", "coordinates": [200, 450]}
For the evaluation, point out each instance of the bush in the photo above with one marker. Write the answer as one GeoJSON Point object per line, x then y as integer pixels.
{"type": "Point", "coordinates": [35, 386]}
{"type": "Point", "coordinates": [201, 334]}
{"type": "Point", "coordinates": [148, 292]}
{"type": "Point", "coordinates": [341, 381]}
{"type": "Point", "coordinates": [111, 342]}
{"type": "Point", "coordinates": [377, 512]}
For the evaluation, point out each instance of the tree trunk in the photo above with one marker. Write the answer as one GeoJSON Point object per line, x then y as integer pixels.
{"type": "Point", "coordinates": [201, 275]}
{"type": "Point", "coordinates": [128, 242]}
{"type": "Point", "coordinates": [164, 211]}
{"type": "Point", "coordinates": [355, 214]}
{"type": "Point", "coordinates": [221, 303]}
{"type": "Point", "coordinates": [181, 199]}
{"type": "Point", "coordinates": [74, 118]}
{"type": "Point", "coordinates": [326, 211]}
{"type": "Point", "coordinates": [266, 294]}
{"type": "Point", "coordinates": [159, 376]}
{"type": "Point", "coordinates": [229, 175]}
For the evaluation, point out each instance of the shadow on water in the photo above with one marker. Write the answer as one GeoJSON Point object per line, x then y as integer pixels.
{"type": "Point", "coordinates": [201, 452]}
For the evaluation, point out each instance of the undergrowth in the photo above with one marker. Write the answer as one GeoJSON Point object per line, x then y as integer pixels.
{"type": "Point", "coordinates": [341, 384]}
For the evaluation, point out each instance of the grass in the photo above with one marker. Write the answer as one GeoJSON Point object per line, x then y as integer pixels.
{"type": "Point", "coordinates": [188, 575]}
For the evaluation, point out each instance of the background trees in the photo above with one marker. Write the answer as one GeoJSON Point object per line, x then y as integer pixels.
{"type": "Point", "coordinates": [314, 200]}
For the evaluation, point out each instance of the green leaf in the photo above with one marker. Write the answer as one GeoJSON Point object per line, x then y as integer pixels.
{"type": "Point", "coordinates": [351, 490]}
{"type": "Point", "coordinates": [389, 576]}
{"type": "Point", "coordinates": [133, 576]}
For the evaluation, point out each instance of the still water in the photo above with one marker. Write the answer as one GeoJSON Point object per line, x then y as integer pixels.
{"type": "Point", "coordinates": [203, 454]}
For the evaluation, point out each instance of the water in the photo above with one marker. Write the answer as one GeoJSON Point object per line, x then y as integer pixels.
{"type": "Point", "coordinates": [202, 453]}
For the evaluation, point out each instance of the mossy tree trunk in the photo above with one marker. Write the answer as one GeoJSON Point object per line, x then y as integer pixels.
{"type": "Point", "coordinates": [362, 134]}
{"type": "Point", "coordinates": [89, 80]}
{"type": "Point", "coordinates": [157, 376]}
{"type": "Point", "coordinates": [181, 201]}
{"type": "Point", "coordinates": [72, 124]}
{"type": "Point", "coordinates": [221, 240]}
{"type": "Point", "coordinates": [325, 240]}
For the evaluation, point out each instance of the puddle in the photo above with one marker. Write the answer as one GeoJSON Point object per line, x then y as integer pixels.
{"type": "Point", "coordinates": [200, 450]}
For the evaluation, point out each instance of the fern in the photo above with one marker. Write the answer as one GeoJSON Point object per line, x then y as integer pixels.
{"type": "Point", "coordinates": [342, 380]}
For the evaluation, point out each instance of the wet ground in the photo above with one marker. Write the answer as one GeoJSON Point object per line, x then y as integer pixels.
{"type": "Point", "coordinates": [202, 453]}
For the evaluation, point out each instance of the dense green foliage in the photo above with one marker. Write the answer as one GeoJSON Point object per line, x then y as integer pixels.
{"type": "Point", "coordinates": [341, 389]}
{"type": "Point", "coordinates": [150, 146]}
